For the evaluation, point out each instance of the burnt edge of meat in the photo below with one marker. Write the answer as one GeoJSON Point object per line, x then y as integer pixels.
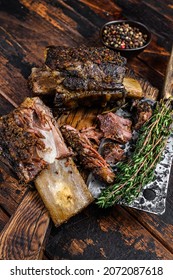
{"type": "Point", "coordinates": [87, 69]}
{"type": "Point", "coordinates": [59, 57]}
{"type": "Point", "coordinates": [92, 98]}
{"type": "Point", "coordinates": [74, 76]}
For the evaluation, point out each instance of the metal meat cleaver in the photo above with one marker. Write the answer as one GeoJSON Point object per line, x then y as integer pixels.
{"type": "Point", "coordinates": [152, 198]}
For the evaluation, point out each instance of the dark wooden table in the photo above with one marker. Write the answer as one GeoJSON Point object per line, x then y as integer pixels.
{"type": "Point", "coordinates": [26, 28]}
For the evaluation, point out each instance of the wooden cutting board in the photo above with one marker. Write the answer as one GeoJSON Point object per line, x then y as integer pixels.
{"type": "Point", "coordinates": [25, 233]}
{"type": "Point", "coordinates": [24, 30]}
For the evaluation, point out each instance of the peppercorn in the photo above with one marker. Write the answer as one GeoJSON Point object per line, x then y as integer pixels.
{"type": "Point", "coordinates": [123, 36]}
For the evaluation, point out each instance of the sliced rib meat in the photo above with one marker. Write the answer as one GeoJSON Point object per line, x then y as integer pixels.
{"type": "Point", "coordinates": [92, 133]}
{"type": "Point", "coordinates": [143, 113]}
{"type": "Point", "coordinates": [115, 127]}
{"type": "Point", "coordinates": [30, 139]}
{"type": "Point", "coordinates": [88, 156]}
{"type": "Point", "coordinates": [86, 76]}
{"type": "Point", "coordinates": [112, 153]}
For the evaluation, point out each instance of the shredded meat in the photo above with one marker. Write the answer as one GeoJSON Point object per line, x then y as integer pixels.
{"type": "Point", "coordinates": [112, 153]}
{"type": "Point", "coordinates": [115, 127]}
{"type": "Point", "coordinates": [30, 139]}
{"type": "Point", "coordinates": [88, 156]}
{"type": "Point", "coordinates": [92, 133]}
{"type": "Point", "coordinates": [143, 113]}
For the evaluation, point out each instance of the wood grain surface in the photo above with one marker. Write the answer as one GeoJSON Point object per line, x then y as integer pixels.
{"type": "Point", "coordinates": [11, 192]}
{"type": "Point", "coordinates": [26, 28]}
{"type": "Point", "coordinates": [25, 233]}
{"type": "Point", "coordinates": [110, 234]}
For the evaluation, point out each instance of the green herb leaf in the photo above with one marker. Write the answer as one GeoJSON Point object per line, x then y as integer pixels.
{"type": "Point", "coordinates": [139, 170]}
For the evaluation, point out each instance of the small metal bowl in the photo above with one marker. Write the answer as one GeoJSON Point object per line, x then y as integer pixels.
{"type": "Point", "coordinates": [128, 52]}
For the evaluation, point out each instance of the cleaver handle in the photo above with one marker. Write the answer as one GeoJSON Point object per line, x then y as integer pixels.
{"type": "Point", "coordinates": [168, 85]}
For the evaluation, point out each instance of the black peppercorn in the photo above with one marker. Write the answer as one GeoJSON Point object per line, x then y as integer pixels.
{"type": "Point", "coordinates": [123, 36]}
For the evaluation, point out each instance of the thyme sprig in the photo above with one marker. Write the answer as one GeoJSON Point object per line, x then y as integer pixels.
{"type": "Point", "coordinates": [138, 171]}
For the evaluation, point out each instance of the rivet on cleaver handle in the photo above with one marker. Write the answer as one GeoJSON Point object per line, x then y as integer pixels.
{"type": "Point", "coordinates": [168, 85]}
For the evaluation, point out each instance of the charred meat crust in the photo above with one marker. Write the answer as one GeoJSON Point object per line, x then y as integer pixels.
{"type": "Point", "coordinates": [86, 76]}
{"type": "Point", "coordinates": [45, 81]}
{"type": "Point", "coordinates": [75, 75]}
{"type": "Point", "coordinates": [85, 69]}
{"type": "Point", "coordinates": [91, 76]}
{"type": "Point", "coordinates": [30, 139]}
{"type": "Point", "coordinates": [73, 99]}
{"type": "Point", "coordinates": [60, 57]}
